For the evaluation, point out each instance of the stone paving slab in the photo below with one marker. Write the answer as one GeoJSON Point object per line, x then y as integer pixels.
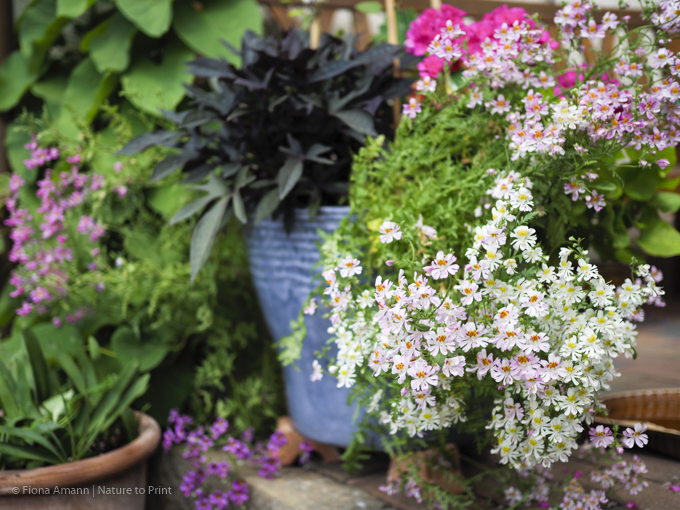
{"type": "Point", "coordinates": [301, 489]}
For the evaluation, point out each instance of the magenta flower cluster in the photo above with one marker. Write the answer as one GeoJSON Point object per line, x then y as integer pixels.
{"type": "Point", "coordinates": [41, 238]}
{"type": "Point", "coordinates": [432, 22]}
{"type": "Point", "coordinates": [199, 440]}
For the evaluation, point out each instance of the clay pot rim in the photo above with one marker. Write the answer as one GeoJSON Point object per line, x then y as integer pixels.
{"type": "Point", "coordinates": [89, 470]}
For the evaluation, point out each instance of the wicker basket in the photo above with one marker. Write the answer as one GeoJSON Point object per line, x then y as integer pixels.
{"type": "Point", "coordinates": [658, 409]}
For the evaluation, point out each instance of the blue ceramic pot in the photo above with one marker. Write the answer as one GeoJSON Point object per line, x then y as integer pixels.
{"type": "Point", "coordinates": [282, 268]}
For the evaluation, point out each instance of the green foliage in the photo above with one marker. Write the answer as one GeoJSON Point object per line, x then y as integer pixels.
{"type": "Point", "coordinates": [98, 46]}
{"type": "Point", "coordinates": [15, 80]}
{"type": "Point", "coordinates": [278, 132]}
{"type": "Point", "coordinates": [147, 312]}
{"type": "Point", "coordinates": [152, 17]}
{"type": "Point", "coordinates": [61, 408]}
{"type": "Point", "coordinates": [151, 86]}
{"type": "Point", "coordinates": [369, 7]}
{"type": "Point", "coordinates": [216, 21]}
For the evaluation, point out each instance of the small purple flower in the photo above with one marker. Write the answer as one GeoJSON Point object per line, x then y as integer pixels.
{"type": "Point", "coordinates": [97, 232]}
{"type": "Point", "coordinates": [219, 427]}
{"type": "Point", "coordinates": [307, 449]}
{"type": "Point", "coordinates": [25, 309]}
{"type": "Point", "coordinates": [663, 163]}
{"type": "Point", "coordinates": [85, 225]}
{"type": "Point", "coordinates": [601, 436]}
{"type": "Point", "coordinates": [237, 449]}
{"type": "Point", "coordinates": [573, 188]}
{"type": "Point", "coordinates": [220, 469]}
{"type": "Point", "coordinates": [219, 500]}
{"type": "Point", "coordinates": [15, 182]}
{"type": "Point", "coordinates": [595, 201]}
{"type": "Point", "coordinates": [239, 492]}
{"type": "Point", "coordinates": [39, 295]}
{"type": "Point", "coordinates": [97, 182]}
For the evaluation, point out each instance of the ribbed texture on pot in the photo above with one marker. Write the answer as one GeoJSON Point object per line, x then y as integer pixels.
{"type": "Point", "coordinates": [281, 263]}
{"type": "Point", "coordinates": [282, 268]}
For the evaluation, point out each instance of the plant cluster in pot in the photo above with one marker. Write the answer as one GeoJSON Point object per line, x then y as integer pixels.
{"type": "Point", "coordinates": [473, 301]}
{"type": "Point", "coordinates": [274, 139]}
{"type": "Point", "coordinates": [75, 442]}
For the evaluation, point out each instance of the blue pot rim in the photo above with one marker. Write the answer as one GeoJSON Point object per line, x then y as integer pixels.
{"type": "Point", "coordinates": [334, 213]}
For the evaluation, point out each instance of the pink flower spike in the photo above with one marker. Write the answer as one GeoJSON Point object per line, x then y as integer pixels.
{"type": "Point", "coordinates": [674, 488]}
{"type": "Point", "coordinates": [389, 262]}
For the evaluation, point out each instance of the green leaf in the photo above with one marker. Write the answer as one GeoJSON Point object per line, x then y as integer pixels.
{"type": "Point", "coordinates": [108, 403]}
{"type": "Point", "coordinates": [204, 235]}
{"type": "Point", "coordinates": [128, 347]}
{"type": "Point", "coordinates": [85, 92]}
{"type": "Point", "coordinates": [51, 90]}
{"type": "Point", "coordinates": [15, 139]}
{"type": "Point", "coordinates": [93, 347]}
{"type": "Point", "coordinates": [369, 7]}
{"type": "Point", "coordinates": [605, 186]}
{"type": "Point", "coordinates": [152, 87]}
{"type": "Point", "coordinates": [152, 17]}
{"type": "Point", "coordinates": [192, 208]}
{"type": "Point", "coordinates": [203, 29]}
{"type": "Point", "coordinates": [38, 366]}
{"type": "Point", "coordinates": [667, 201]}
{"type": "Point", "coordinates": [358, 120]}
{"type": "Point", "coordinates": [31, 436]}
{"type": "Point", "coordinates": [73, 8]}
{"type": "Point", "coordinates": [640, 183]}
{"type": "Point", "coordinates": [669, 184]}
{"type": "Point", "coordinates": [29, 453]}
{"type": "Point", "coordinates": [38, 27]}
{"type": "Point", "coordinates": [136, 390]}
{"type": "Point", "coordinates": [289, 175]}
{"type": "Point", "coordinates": [72, 371]}
{"type": "Point", "coordinates": [270, 201]}
{"type": "Point", "coordinates": [7, 392]}
{"type": "Point", "coordinates": [15, 79]}
{"type": "Point", "coordinates": [239, 207]}
{"type": "Point", "coordinates": [169, 165]}
{"type": "Point", "coordinates": [165, 200]}
{"type": "Point", "coordinates": [146, 140]}
{"type": "Point", "coordinates": [660, 239]}
{"type": "Point", "coordinates": [110, 44]}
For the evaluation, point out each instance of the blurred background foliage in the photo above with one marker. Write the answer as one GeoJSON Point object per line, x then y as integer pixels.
{"type": "Point", "coordinates": [87, 76]}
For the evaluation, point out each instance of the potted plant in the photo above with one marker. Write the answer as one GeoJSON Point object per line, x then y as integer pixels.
{"type": "Point", "coordinates": [468, 229]}
{"type": "Point", "coordinates": [275, 139]}
{"type": "Point", "coordinates": [68, 434]}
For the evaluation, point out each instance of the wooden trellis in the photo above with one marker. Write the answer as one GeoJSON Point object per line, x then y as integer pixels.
{"type": "Point", "coordinates": [475, 9]}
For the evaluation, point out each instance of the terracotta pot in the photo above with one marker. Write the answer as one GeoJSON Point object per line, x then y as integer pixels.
{"type": "Point", "coordinates": [110, 481]}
